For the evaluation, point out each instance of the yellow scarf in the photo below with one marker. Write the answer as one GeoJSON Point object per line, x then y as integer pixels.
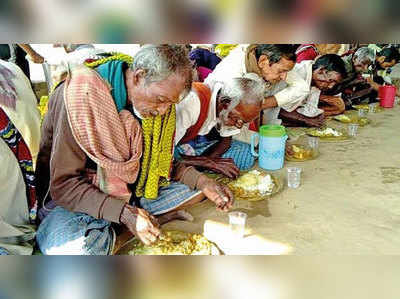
{"type": "Point", "coordinates": [158, 134]}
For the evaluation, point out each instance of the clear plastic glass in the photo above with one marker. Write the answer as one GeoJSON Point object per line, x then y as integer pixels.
{"type": "Point", "coordinates": [372, 107]}
{"type": "Point", "coordinates": [313, 142]}
{"type": "Point", "coordinates": [362, 112]}
{"type": "Point", "coordinates": [294, 177]}
{"type": "Point", "coordinates": [353, 128]}
{"type": "Point", "coordinates": [237, 223]}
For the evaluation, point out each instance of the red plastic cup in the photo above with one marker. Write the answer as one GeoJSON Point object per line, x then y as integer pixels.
{"type": "Point", "coordinates": [387, 95]}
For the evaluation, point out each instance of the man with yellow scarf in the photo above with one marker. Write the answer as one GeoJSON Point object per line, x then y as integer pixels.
{"type": "Point", "coordinates": [107, 145]}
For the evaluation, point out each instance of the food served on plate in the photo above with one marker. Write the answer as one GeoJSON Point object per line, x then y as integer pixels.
{"type": "Point", "coordinates": [254, 185]}
{"type": "Point", "coordinates": [175, 243]}
{"type": "Point", "coordinates": [366, 107]}
{"type": "Point", "coordinates": [328, 132]}
{"type": "Point", "coordinates": [362, 121]}
{"type": "Point", "coordinates": [300, 152]}
{"type": "Point", "coordinates": [343, 118]}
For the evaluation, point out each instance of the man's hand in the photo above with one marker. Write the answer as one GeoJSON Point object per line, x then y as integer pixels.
{"type": "Point", "coordinates": [221, 195]}
{"type": "Point", "coordinates": [269, 102]}
{"type": "Point", "coordinates": [140, 223]}
{"type": "Point", "coordinates": [316, 121]}
{"type": "Point", "coordinates": [224, 166]}
{"type": "Point", "coordinates": [373, 84]}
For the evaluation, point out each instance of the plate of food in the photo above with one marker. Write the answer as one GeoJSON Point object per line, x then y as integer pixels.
{"type": "Point", "coordinates": [328, 134]}
{"type": "Point", "coordinates": [366, 107]}
{"type": "Point", "coordinates": [300, 153]}
{"type": "Point", "coordinates": [173, 243]}
{"type": "Point", "coordinates": [255, 185]}
{"type": "Point", "coordinates": [347, 119]}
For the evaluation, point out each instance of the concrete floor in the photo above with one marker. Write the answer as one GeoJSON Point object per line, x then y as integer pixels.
{"type": "Point", "coordinates": [348, 203]}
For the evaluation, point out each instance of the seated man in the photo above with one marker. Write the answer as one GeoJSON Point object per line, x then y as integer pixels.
{"type": "Point", "coordinates": [226, 107]}
{"type": "Point", "coordinates": [355, 87]}
{"type": "Point", "coordinates": [385, 60]}
{"type": "Point", "coordinates": [19, 145]}
{"type": "Point", "coordinates": [323, 77]}
{"type": "Point", "coordinates": [106, 152]}
{"type": "Point", "coordinates": [273, 63]}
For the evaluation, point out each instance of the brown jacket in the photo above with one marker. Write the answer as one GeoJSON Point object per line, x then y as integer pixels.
{"type": "Point", "coordinates": [63, 163]}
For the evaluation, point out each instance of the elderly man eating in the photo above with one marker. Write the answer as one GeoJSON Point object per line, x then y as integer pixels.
{"type": "Point", "coordinates": [107, 151]}
{"type": "Point", "coordinates": [273, 63]}
{"type": "Point", "coordinates": [208, 118]}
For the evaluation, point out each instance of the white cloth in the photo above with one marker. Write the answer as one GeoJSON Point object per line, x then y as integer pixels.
{"type": "Point", "coordinates": [306, 104]}
{"type": "Point", "coordinates": [60, 64]}
{"type": "Point", "coordinates": [26, 116]}
{"type": "Point", "coordinates": [188, 113]}
{"type": "Point", "coordinates": [14, 214]}
{"type": "Point", "coordinates": [14, 206]}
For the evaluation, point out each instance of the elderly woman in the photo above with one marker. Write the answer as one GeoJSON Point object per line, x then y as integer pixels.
{"type": "Point", "coordinates": [107, 153]}
{"type": "Point", "coordinates": [208, 118]}
{"type": "Point", "coordinates": [19, 145]}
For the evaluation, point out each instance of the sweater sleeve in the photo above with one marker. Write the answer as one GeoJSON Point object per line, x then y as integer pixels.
{"type": "Point", "coordinates": [70, 188]}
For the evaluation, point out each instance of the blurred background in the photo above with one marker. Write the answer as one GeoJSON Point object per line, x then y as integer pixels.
{"type": "Point", "coordinates": [356, 277]}
{"type": "Point", "coordinates": [231, 21]}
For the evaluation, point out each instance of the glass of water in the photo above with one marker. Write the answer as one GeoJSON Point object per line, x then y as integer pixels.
{"type": "Point", "coordinates": [353, 128]}
{"type": "Point", "coordinates": [372, 107]}
{"type": "Point", "coordinates": [237, 223]}
{"type": "Point", "coordinates": [362, 112]}
{"type": "Point", "coordinates": [313, 142]}
{"type": "Point", "coordinates": [294, 176]}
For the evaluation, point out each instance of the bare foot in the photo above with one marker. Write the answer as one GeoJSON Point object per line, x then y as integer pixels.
{"type": "Point", "coordinates": [175, 215]}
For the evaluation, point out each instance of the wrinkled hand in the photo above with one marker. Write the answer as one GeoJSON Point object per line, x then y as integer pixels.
{"type": "Point", "coordinates": [317, 121]}
{"type": "Point", "coordinates": [314, 121]}
{"type": "Point", "coordinates": [225, 166]}
{"type": "Point", "coordinates": [373, 84]}
{"type": "Point", "coordinates": [140, 223]}
{"type": "Point", "coordinates": [221, 195]}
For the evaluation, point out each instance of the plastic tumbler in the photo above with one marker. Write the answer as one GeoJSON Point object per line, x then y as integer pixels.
{"type": "Point", "coordinates": [313, 142]}
{"type": "Point", "coordinates": [237, 223]}
{"type": "Point", "coordinates": [353, 130]}
{"type": "Point", "coordinates": [293, 176]}
{"type": "Point", "coordinates": [362, 112]}
{"type": "Point", "coordinates": [372, 107]}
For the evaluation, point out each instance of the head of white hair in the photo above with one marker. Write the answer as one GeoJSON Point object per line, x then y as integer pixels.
{"type": "Point", "coordinates": [160, 61]}
{"type": "Point", "coordinates": [248, 90]}
{"type": "Point", "coordinates": [364, 54]}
